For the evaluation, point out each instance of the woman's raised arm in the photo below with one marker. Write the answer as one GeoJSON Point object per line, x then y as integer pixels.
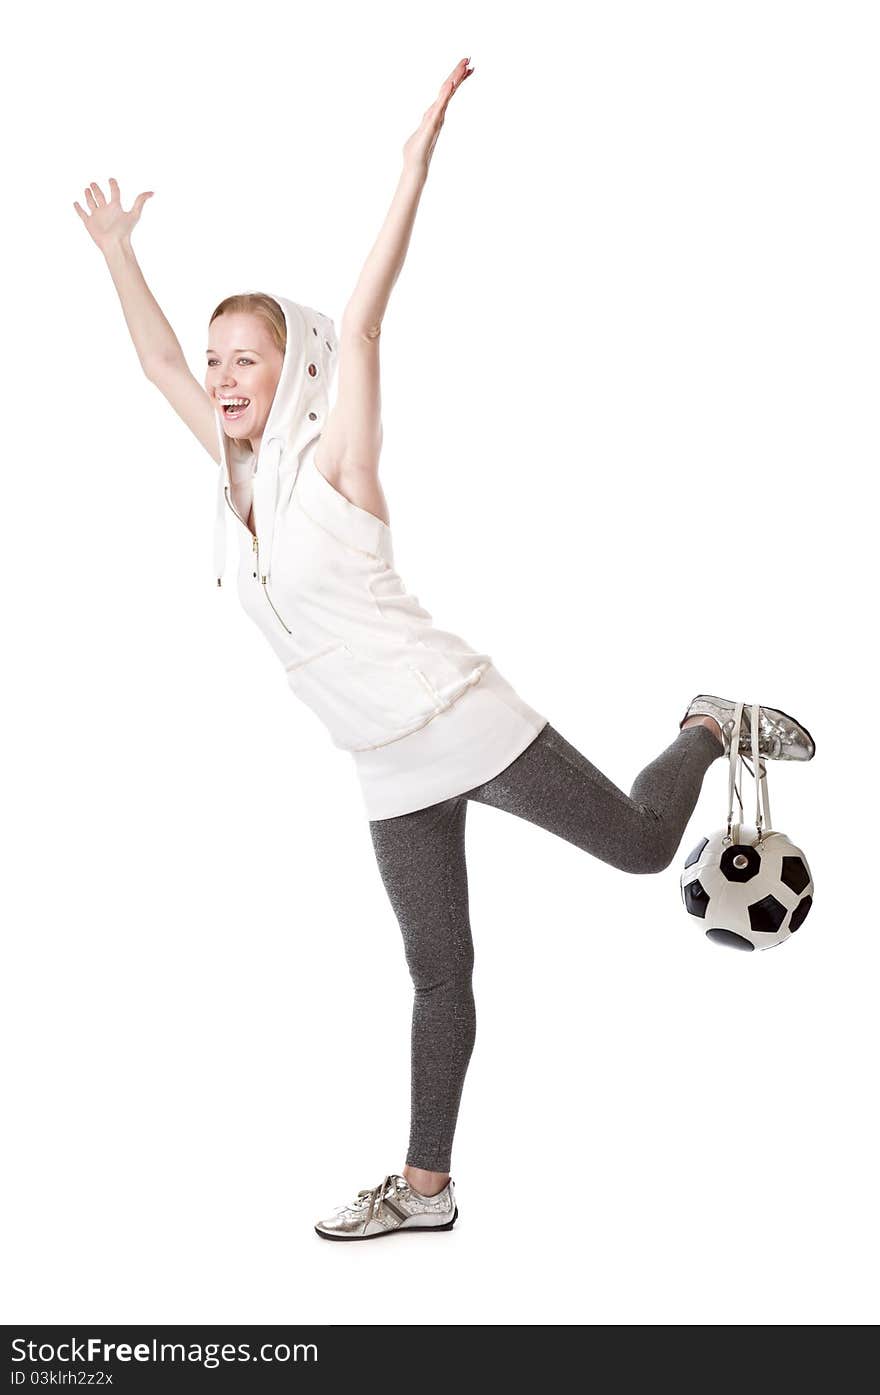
{"type": "Point", "coordinates": [366, 308]}
{"type": "Point", "coordinates": [352, 438]}
{"type": "Point", "coordinates": [110, 227]}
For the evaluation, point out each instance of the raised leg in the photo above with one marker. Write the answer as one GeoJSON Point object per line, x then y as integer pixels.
{"type": "Point", "coordinates": [553, 785]}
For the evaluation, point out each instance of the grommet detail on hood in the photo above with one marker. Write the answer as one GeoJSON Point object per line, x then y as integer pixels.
{"type": "Point", "coordinates": [313, 372]}
{"type": "Point", "coordinates": [313, 416]}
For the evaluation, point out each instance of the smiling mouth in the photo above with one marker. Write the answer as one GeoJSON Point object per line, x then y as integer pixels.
{"type": "Point", "coordinates": [237, 408]}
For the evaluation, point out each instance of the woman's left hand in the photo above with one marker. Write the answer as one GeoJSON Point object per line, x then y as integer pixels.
{"type": "Point", "coordinates": [420, 147]}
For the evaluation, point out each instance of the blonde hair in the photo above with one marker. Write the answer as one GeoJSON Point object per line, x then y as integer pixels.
{"type": "Point", "coordinates": [255, 303]}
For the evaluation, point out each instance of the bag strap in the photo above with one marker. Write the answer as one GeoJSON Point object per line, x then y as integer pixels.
{"type": "Point", "coordinates": [734, 762]}
{"type": "Point", "coordinates": [762, 822]}
{"type": "Point", "coordinates": [762, 819]}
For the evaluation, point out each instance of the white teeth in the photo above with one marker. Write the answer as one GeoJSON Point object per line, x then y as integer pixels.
{"type": "Point", "coordinates": [235, 401]}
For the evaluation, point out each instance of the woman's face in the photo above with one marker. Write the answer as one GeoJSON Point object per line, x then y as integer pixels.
{"type": "Point", "coordinates": [243, 362]}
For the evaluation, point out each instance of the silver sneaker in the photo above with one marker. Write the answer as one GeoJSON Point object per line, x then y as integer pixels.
{"type": "Point", "coordinates": [780, 737]}
{"type": "Point", "coordinates": [390, 1207]}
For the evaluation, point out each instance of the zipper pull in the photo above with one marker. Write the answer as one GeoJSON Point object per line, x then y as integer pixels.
{"type": "Point", "coordinates": [257, 551]}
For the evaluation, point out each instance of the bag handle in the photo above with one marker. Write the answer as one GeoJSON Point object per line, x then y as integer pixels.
{"type": "Point", "coordinates": [762, 819]}
{"type": "Point", "coordinates": [762, 824]}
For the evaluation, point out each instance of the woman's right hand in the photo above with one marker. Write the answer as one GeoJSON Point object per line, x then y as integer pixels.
{"type": "Point", "coordinates": [108, 223]}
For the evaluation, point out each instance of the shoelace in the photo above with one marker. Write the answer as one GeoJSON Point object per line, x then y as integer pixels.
{"type": "Point", "coordinates": [371, 1198]}
{"type": "Point", "coordinates": [776, 734]}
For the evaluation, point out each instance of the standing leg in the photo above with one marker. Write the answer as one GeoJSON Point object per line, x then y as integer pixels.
{"type": "Point", "coordinates": [421, 859]}
{"type": "Point", "coordinates": [552, 784]}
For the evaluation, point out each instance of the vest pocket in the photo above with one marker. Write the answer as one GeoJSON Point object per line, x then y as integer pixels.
{"type": "Point", "coordinates": [445, 663]}
{"type": "Point", "coordinates": [363, 702]}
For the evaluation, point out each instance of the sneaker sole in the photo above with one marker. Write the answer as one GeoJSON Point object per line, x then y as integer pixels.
{"type": "Point", "coordinates": [398, 1230]}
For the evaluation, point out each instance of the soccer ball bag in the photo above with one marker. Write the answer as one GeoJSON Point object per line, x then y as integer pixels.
{"type": "Point", "coordinates": [747, 894]}
{"type": "Point", "coordinates": [747, 886]}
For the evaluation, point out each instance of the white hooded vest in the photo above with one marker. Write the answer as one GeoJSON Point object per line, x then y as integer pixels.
{"type": "Point", "coordinates": [424, 715]}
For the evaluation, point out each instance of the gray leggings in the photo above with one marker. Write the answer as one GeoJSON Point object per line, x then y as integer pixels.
{"type": "Point", "coordinates": [421, 859]}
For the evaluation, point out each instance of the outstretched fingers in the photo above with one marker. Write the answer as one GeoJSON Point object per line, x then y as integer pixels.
{"type": "Point", "coordinates": [419, 148]}
{"type": "Point", "coordinates": [454, 81]}
{"type": "Point", "coordinates": [106, 219]}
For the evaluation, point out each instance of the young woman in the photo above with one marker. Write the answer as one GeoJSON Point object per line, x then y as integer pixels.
{"type": "Point", "coordinates": [429, 721]}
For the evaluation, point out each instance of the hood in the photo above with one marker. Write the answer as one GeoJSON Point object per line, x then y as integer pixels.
{"type": "Point", "coordinates": [297, 418]}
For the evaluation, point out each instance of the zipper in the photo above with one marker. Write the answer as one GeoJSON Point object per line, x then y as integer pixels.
{"type": "Point", "coordinates": [256, 549]}
{"type": "Point", "coordinates": [263, 582]}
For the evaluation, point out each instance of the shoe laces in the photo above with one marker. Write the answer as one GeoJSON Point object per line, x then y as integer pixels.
{"type": "Point", "coordinates": [370, 1198]}
{"type": "Point", "coordinates": [773, 733]}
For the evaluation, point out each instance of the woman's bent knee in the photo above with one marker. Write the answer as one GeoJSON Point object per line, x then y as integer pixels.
{"type": "Point", "coordinates": [645, 860]}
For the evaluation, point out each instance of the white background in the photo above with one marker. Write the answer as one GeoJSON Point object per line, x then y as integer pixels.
{"type": "Point", "coordinates": [630, 409]}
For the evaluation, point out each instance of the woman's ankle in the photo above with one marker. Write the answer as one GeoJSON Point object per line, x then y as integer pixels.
{"type": "Point", "coordinates": [424, 1182]}
{"type": "Point", "coordinates": [708, 722]}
